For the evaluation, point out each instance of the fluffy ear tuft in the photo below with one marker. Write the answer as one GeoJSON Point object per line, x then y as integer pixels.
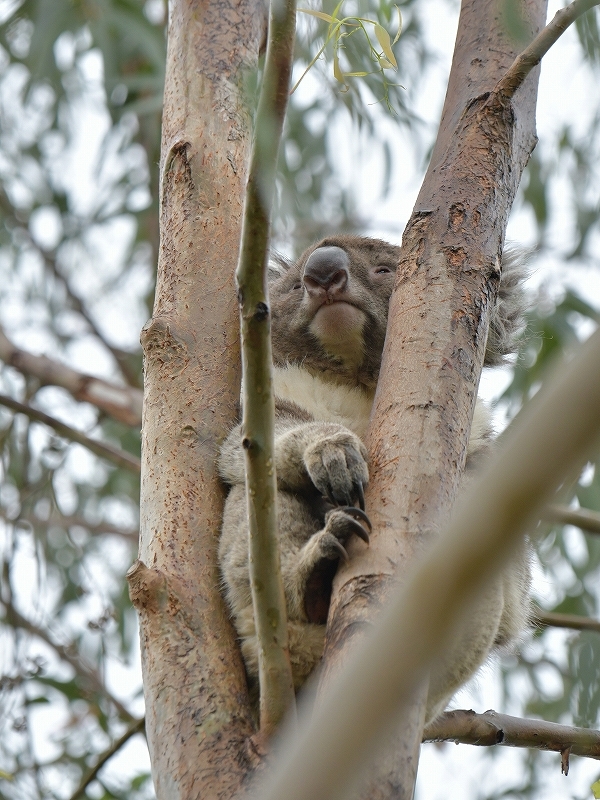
{"type": "Point", "coordinates": [507, 321]}
{"type": "Point", "coordinates": [278, 266]}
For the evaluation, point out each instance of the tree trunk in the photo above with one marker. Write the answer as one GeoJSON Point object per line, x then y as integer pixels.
{"type": "Point", "coordinates": [437, 329]}
{"type": "Point", "coordinates": [198, 718]}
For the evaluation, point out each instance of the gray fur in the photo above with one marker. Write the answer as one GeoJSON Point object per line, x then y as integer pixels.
{"type": "Point", "coordinates": [328, 329]}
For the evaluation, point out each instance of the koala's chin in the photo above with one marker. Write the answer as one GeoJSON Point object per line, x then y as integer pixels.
{"type": "Point", "coordinates": [329, 316]}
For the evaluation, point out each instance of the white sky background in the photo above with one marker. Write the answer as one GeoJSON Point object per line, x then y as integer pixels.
{"type": "Point", "coordinates": [565, 89]}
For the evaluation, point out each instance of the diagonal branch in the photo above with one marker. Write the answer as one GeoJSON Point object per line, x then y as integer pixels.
{"type": "Point", "coordinates": [491, 728]}
{"type": "Point", "coordinates": [118, 457]}
{"type": "Point", "coordinates": [90, 680]}
{"type": "Point", "coordinates": [122, 403]}
{"type": "Point", "coordinates": [136, 727]}
{"type": "Point", "coordinates": [533, 54]}
{"type": "Point", "coordinates": [62, 520]}
{"type": "Point", "coordinates": [580, 517]}
{"type": "Point", "coordinates": [554, 434]}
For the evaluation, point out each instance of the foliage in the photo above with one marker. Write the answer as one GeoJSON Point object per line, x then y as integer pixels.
{"type": "Point", "coordinates": [80, 98]}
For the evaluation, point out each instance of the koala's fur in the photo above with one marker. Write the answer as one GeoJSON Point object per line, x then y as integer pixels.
{"type": "Point", "coordinates": [329, 315]}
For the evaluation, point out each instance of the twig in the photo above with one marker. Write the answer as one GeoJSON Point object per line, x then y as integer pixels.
{"type": "Point", "coordinates": [90, 679]}
{"type": "Point", "coordinates": [556, 620]}
{"type": "Point", "coordinates": [122, 403]}
{"type": "Point", "coordinates": [580, 517]}
{"type": "Point", "coordinates": [67, 521]}
{"type": "Point", "coordinates": [118, 457]}
{"type": "Point", "coordinates": [275, 676]}
{"type": "Point", "coordinates": [551, 435]}
{"type": "Point", "coordinates": [532, 55]}
{"type": "Point", "coordinates": [136, 727]}
{"type": "Point", "coordinates": [489, 729]}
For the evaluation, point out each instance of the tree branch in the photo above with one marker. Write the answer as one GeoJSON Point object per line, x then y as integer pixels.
{"type": "Point", "coordinates": [118, 457]}
{"type": "Point", "coordinates": [580, 517]}
{"type": "Point", "coordinates": [122, 403]}
{"type": "Point", "coordinates": [491, 728]}
{"type": "Point", "coordinates": [533, 54]}
{"type": "Point", "coordinates": [90, 680]}
{"type": "Point", "coordinates": [97, 528]}
{"type": "Point", "coordinates": [551, 436]}
{"type": "Point", "coordinates": [557, 620]}
{"type": "Point", "coordinates": [275, 675]}
{"type": "Point", "coordinates": [136, 727]}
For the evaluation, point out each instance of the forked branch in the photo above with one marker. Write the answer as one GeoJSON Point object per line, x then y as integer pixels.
{"type": "Point", "coordinates": [533, 54]}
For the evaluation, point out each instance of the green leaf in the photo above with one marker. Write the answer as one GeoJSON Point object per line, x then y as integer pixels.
{"type": "Point", "coordinates": [595, 787]}
{"type": "Point", "coordinates": [319, 14]}
{"type": "Point", "coordinates": [383, 38]}
{"type": "Point", "coordinates": [337, 72]}
{"type": "Point", "coordinates": [399, 31]}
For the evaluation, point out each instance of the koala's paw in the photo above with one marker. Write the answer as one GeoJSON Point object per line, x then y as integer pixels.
{"type": "Point", "coordinates": [337, 465]}
{"type": "Point", "coordinates": [340, 525]}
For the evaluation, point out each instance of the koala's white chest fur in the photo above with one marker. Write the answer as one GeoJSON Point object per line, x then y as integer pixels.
{"type": "Point", "coordinates": [325, 401]}
{"type": "Point", "coordinates": [351, 406]}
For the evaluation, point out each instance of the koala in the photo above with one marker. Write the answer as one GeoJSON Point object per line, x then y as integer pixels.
{"type": "Point", "coordinates": [329, 315]}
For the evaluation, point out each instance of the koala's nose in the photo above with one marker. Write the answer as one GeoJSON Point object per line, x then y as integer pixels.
{"type": "Point", "coordinates": [326, 271]}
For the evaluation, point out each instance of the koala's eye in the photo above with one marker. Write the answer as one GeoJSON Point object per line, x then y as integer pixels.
{"type": "Point", "coordinates": [381, 270]}
{"type": "Point", "coordinates": [297, 285]}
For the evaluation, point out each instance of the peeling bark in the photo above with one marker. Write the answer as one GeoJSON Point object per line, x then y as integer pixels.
{"type": "Point", "coordinates": [198, 718]}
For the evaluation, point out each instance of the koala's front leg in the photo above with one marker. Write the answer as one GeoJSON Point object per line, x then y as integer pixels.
{"type": "Point", "coordinates": [308, 570]}
{"type": "Point", "coordinates": [308, 455]}
{"type": "Point", "coordinates": [327, 456]}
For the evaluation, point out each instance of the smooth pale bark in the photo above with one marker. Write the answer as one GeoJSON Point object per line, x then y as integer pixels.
{"type": "Point", "coordinates": [447, 279]}
{"type": "Point", "coordinates": [198, 719]}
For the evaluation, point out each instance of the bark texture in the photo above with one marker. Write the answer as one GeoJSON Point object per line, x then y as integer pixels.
{"type": "Point", "coordinates": [198, 719]}
{"type": "Point", "coordinates": [437, 330]}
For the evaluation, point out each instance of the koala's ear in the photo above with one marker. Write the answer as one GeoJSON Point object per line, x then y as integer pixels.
{"type": "Point", "coordinates": [278, 266]}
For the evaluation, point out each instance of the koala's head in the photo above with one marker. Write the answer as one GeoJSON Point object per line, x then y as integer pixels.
{"type": "Point", "coordinates": [330, 308]}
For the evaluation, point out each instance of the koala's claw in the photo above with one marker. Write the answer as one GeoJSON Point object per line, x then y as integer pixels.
{"type": "Point", "coordinates": [361, 500]}
{"type": "Point", "coordinates": [340, 549]}
{"type": "Point", "coordinates": [359, 514]}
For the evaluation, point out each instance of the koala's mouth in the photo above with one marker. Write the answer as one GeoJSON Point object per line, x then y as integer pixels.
{"type": "Point", "coordinates": [339, 326]}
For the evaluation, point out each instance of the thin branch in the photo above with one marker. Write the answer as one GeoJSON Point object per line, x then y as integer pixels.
{"type": "Point", "coordinates": [556, 620]}
{"type": "Point", "coordinates": [532, 55]}
{"type": "Point", "coordinates": [119, 457]}
{"type": "Point", "coordinates": [136, 727]}
{"type": "Point", "coordinates": [97, 528]}
{"type": "Point", "coordinates": [489, 729]}
{"type": "Point", "coordinates": [553, 434]}
{"type": "Point", "coordinates": [275, 675]}
{"type": "Point", "coordinates": [90, 680]}
{"type": "Point", "coordinates": [122, 403]}
{"type": "Point", "coordinates": [580, 517]}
